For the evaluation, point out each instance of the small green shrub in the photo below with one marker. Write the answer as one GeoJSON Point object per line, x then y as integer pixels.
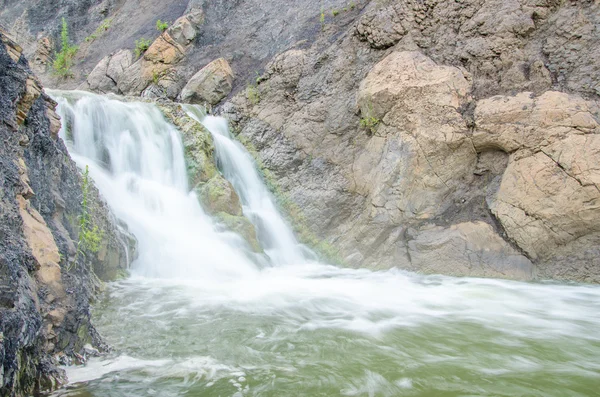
{"type": "Point", "coordinates": [322, 18]}
{"type": "Point", "coordinates": [141, 45]}
{"type": "Point", "coordinates": [63, 60]}
{"type": "Point", "coordinates": [161, 26]}
{"type": "Point", "coordinates": [369, 121]}
{"type": "Point", "coordinates": [103, 27]}
{"type": "Point", "coordinates": [352, 5]}
{"type": "Point", "coordinates": [335, 13]}
{"type": "Point", "coordinates": [253, 94]}
{"type": "Point", "coordinates": [90, 236]}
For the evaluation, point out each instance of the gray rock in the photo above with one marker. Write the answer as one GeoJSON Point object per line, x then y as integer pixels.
{"type": "Point", "coordinates": [211, 84]}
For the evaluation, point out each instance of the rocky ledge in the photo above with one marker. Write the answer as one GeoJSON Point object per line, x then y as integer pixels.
{"type": "Point", "coordinates": [47, 276]}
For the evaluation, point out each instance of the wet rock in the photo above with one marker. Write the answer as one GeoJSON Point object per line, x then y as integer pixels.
{"type": "Point", "coordinates": [242, 226]}
{"type": "Point", "coordinates": [218, 195]}
{"type": "Point", "coordinates": [210, 85]}
{"type": "Point", "coordinates": [197, 144]}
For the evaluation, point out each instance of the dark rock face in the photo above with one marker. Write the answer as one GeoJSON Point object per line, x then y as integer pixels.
{"type": "Point", "coordinates": [45, 286]}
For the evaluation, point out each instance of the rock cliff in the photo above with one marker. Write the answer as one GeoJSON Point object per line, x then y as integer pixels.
{"type": "Point", "coordinates": [47, 277]}
{"type": "Point", "coordinates": [454, 137]}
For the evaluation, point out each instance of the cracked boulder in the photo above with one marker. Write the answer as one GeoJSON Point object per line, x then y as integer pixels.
{"type": "Point", "coordinates": [420, 152]}
{"type": "Point", "coordinates": [107, 73]}
{"type": "Point", "coordinates": [549, 198]}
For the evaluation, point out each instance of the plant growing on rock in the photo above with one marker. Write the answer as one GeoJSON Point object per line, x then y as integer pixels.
{"type": "Point", "coordinates": [103, 27]}
{"type": "Point", "coordinates": [90, 236]}
{"type": "Point", "coordinates": [161, 26]}
{"type": "Point", "coordinates": [141, 45]}
{"type": "Point", "coordinates": [64, 59]}
{"type": "Point", "coordinates": [253, 94]}
{"type": "Point", "coordinates": [369, 121]}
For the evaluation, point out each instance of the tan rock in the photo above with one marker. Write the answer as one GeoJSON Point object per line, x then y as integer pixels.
{"type": "Point", "coordinates": [528, 122]}
{"type": "Point", "coordinates": [33, 91]}
{"type": "Point", "coordinates": [43, 247]}
{"type": "Point", "coordinates": [164, 50]}
{"type": "Point", "coordinates": [467, 249]}
{"type": "Point", "coordinates": [549, 197]}
{"type": "Point", "coordinates": [421, 151]}
{"type": "Point", "coordinates": [184, 30]}
{"type": "Point", "coordinates": [211, 84]}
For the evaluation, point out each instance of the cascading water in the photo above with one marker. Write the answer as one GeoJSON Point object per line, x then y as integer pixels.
{"type": "Point", "coordinates": [197, 318]}
{"type": "Point", "coordinates": [238, 167]}
{"type": "Point", "coordinates": [136, 159]}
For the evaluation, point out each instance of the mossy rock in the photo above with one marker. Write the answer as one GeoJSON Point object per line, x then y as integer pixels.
{"type": "Point", "coordinates": [198, 146]}
{"type": "Point", "coordinates": [242, 226]}
{"type": "Point", "coordinates": [218, 195]}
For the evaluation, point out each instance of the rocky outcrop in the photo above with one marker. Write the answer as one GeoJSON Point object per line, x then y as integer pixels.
{"type": "Point", "coordinates": [157, 65]}
{"type": "Point", "coordinates": [549, 199]}
{"type": "Point", "coordinates": [211, 84]}
{"type": "Point", "coordinates": [46, 282]}
{"type": "Point", "coordinates": [392, 143]}
{"type": "Point", "coordinates": [106, 75]}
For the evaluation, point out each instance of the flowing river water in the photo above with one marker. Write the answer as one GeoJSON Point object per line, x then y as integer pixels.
{"type": "Point", "coordinates": [200, 316]}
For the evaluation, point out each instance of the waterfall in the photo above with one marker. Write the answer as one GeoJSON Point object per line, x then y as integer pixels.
{"type": "Point", "coordinates": [198, 317]}
{"type": "Point", "coordinates": [135, 157]}
{"type": "Point", "coordinates": [238, 167]}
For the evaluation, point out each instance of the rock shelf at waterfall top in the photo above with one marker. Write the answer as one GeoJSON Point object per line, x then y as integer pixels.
{"type": "Point", "coordinates": [245, 198]}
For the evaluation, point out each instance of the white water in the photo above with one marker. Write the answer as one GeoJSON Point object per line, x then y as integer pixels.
{"type": "Point", "coordinates": [136, 159]}
{"type": "Point", "coordinates": [197, 311]}
{"type": "Point", "coordinates": [238, 167]}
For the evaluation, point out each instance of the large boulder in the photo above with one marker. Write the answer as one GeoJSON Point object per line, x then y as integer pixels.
{"type": "Point", "coordinates": [211, 84]}
{"type": "Point", "coordinates": [549, 198]}
{"type": "Point", "coordinates": [107, 73]}
{"type": "Point", "coordinates": [421, 151]}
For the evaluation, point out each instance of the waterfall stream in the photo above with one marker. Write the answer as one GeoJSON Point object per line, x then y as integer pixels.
{"type": "Point", "coordinates": [198, 318]}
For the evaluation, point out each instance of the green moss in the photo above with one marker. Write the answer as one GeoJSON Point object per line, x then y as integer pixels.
{"type": "Point", "coordinates": [198, 145]}
{"type": "Point", "coordinates": [253, 95]}
{"type": "Point", "coordinates": [218, 195]}
{"type": "Point", "coordinates": [122, 274]}
{"type": "Point", "coordinates": [242, 226]}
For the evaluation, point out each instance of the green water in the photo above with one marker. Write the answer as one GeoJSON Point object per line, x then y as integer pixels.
{"type": "Point", "coordinates": [303, 335]}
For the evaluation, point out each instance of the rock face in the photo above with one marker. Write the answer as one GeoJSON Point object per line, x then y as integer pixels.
{"type": "Point", "coordinates": [395, 128]}
{"type": "Point", "coordinates": [211, 84]}
{"type": "Point", "coordinates": [157, 67]}
{"type": "Point", "coordinates": [549, 199]}
{"type": "Point", "coordinates": [442, 137]}
{"type": "Point", "coordinates": [45, 283]}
